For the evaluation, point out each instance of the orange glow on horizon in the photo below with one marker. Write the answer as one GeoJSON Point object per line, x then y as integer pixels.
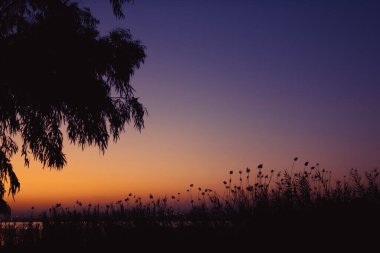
{"type": "Point", "coordinates": [133, 166]}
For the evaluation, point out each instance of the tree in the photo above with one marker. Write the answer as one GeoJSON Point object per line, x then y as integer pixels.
{"type": "Point", "coordinates": [56, 72]}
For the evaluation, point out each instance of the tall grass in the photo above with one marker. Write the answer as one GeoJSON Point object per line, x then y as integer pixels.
{"type": "Point", "coordinates": [288, 205]}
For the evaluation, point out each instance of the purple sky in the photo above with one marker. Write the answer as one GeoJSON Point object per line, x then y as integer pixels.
{"type": "Point", "coordinates": [229, 85]}
{"type": "Point", "coordinates": [279, 79]}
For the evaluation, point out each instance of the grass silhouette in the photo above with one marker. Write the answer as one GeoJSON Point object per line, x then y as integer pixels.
{"type": "Point", "coordinates": [259, 209]}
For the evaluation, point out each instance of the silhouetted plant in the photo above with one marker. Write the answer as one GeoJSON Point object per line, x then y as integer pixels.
{"type": "Point", "coordinates": [56, 69]}
{"type": "Point", "coordinates": [289, 207]}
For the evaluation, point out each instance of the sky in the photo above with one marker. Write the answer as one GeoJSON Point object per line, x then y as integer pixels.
{"type": "Point", "coordinates": [229, 85]}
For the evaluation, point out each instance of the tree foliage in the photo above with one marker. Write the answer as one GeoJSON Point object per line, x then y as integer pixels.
{"type": "Point", "coordinates": [57, 71]}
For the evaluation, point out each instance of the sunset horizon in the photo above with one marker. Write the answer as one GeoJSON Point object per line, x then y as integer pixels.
{"type": "Point", "coordinates": [228, 86]}
{"type": "Point", "coordinates": [191, 126]}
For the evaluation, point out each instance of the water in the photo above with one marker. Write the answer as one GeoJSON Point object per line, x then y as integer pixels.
{"type": "Point", "coordinates": [21, 224]}
{"type": "Point", "coordinates": [10, 230]}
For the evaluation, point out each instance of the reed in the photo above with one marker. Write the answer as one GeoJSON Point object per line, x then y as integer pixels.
{"type": "Point", "coordinates": [287, 205]}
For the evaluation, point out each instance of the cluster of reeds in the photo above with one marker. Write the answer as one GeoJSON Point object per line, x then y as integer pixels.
{"type": "Point", "coordinates": [252, 198]}
{"type": "Point", "coordinates": [311, 187]}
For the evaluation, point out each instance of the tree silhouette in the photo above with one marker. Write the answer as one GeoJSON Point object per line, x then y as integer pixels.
{"type": "Point", "coordinates": [56, 72]}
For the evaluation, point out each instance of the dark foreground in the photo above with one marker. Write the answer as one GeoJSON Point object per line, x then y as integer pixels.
{"type": "Point", "coordinates": [340, 231]}
{"type": "Point", "coordinates": [299, 213]}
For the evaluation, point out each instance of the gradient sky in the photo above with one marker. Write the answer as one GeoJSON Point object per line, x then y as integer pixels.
{"type": "Point", "coordinates": [231, 84]}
